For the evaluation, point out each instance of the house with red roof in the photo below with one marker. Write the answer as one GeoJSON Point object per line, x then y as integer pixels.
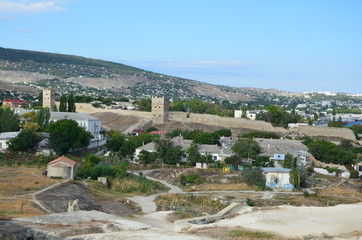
{"type": "Point", "coordinates": [15, 103]}
{"type": "Point", "coordinates": [160, 133]}
{"type": "Point", "coordinates": [62, 167]}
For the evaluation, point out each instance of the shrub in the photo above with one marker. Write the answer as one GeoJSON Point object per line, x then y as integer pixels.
{"type": "Point", "coordinates": [183, 180]}
{"type": "Point", "coordinates": [254, 176]}
{"type": "Point", "coordinates": [354, 174]}
{"type": "Point", "coordinates": [250, 202]}
{"type": "Point", "coordinates": [239, 233]}
{"type": "Point", "coordinates": [306, 194]}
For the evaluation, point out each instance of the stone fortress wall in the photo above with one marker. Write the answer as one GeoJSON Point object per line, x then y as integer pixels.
{"type": "Point", "coordinates": [228, 122]}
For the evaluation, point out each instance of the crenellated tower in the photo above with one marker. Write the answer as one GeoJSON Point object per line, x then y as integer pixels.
{"type": "Point", "coordinates": [160, 109]}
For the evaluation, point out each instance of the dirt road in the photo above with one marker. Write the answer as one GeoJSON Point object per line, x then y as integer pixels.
{"type": "Point", "coordinates": [148, 204]}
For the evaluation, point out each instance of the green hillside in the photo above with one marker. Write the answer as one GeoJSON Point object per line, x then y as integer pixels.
{"type": "Point", "coordinates": [65, 65]}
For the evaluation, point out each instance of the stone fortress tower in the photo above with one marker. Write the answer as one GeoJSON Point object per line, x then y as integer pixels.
{"type": "Point", "coordinates": [49, 98]}
{"type": "Point", "coordinates": [160, 109]}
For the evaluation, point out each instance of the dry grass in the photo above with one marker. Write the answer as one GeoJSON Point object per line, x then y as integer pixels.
{"type": "Point", "coordinates": [15, 208]}
{"type": "Point", "coordinates": [16, 186]}
{"type": "Point", "coordinates": [220, 187]}
{"type": "Point", "coordinates": [22, 180]}
{"type": "Point", "coordinates": [234, 234]}
{"type": "Point", "coordinates": [194, 205]}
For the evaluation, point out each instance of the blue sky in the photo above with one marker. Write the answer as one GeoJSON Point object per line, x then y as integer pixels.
{"type": "Point", "coordinates": [306, 45]}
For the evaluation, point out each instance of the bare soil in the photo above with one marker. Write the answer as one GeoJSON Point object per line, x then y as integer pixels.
{"type": "Point", "coordinates": [123, 123]}
{"type": "Point", "coordinates": [56, 200]}
{"type": "Point", "coordinates": [172, 125]}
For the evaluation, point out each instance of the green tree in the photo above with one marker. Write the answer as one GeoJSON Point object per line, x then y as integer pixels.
{"type": "Point", "coordinates": [329, 152]}
{"type": "Point", "coordinates": [92, 160]}
{"type": "Point", "coordinates": [65, 135]}
{"type": "Point", "coordinates": [167, 152]}
{"type": "Point", "coordinates": [294, 177]}
{"type": "Point", "coordinates": [144, 104]}
{"type": "Point", "coordinates": [115, 141]}
{"type": "Point", "coordinates": [278, 116]}
{"type": "Point", "coordinates": [42, 118]}
{"type": "Point", "coordinates": [71, 103]}
{"type": "Point", "coordinates": [234, 159]}
{"type": "Point", "coordinates": [357, 129]}
{"type": "Point", "coordinates": [26, 141]}
{"type": "Point", "coordinates": [246, 148]}
{"type": "Point", "coordinates": [63, 103]}
{"type": "Point", "coordinates": [222, 133]}
{"type": "Point", "coordinates": [254, 177]}
{"type": "Point", "coordinates": [146, 157]}
{"type": "Point", "coordinates": [150, 129]}
{"type": "Point", "coordinates": [40, 99]}
{"type": "Point", "coordinates": [263, 161]}
{"type": "Point", "coordinates": [289, 161]}
{"type": "Point", "coordinates": [260, 134]}
{"type": "Point", "coordinates": [9, 120]}
{"type": "Point", "coordinates": [193, 154]}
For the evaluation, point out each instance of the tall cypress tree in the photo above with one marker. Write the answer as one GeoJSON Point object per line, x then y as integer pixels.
{"type": "Point", "coordinates": [71, 103]}
{"type": "Point", "coordinates": [63, 104]}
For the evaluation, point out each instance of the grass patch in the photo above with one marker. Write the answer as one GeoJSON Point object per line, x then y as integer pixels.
{"type": "Point", "coordinates": [136, 184]}
{"type": "Point", "coordinates": [22, 180]}
{"type": "Point", "coordinates": [220, 187]}
{"type": "Point", "coordinates": [177, 215]}
{"type": "Point", "coordinates": [239, 233]}
{"type": "Point", "coordinates": [194, 204]}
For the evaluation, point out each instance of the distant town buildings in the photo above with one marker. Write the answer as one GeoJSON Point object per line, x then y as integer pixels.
{"type": "Point", "coordinates": [15, 103]}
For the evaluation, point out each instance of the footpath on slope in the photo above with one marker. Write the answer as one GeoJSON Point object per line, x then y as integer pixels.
{"type": "Point", "coordinates": [149, 206]}
{"type": "Point", "coordinates": [147, 203]}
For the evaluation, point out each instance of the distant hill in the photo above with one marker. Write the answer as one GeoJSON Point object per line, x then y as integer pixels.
{"type": "Point", "coordinates": [87, 76]}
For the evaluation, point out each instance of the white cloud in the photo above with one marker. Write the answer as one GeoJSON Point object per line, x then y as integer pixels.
{"type": "Point", "coordinates": [27, 7]}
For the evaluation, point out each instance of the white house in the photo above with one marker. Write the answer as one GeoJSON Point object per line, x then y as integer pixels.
{"type": "Point", "coordinates": [251, 114]}
{"type": "Point", "coordinates": [5, 137]}
{"type": "Point", "coordinates": [217, 153]}
{"type": "Point", "coordinates": [358, 167]}
{"type": "Point", "coordinates": [149, 147]}
{"type": "Point", "coordinates": [277, 178]}
{"type": "Point", "coordinates": [88, 122]}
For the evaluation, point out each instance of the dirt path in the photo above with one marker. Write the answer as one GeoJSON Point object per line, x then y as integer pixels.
{"type": "Point", "coordinates": [148, 204]}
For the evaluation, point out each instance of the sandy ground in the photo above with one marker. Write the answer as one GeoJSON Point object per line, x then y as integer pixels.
{"type": "Point", "coordinates": [123, 123]}
{"type": "Point", "coordinates": [293, 221]}
{"type": "Point", "coordinates": [139, 235]}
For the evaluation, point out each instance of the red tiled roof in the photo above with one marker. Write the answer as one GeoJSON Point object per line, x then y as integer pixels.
{"type": "Point", "coordinates": [158, 133]}
{"type": "Point", "coordinates": [14, 101]}
{"type": "Point", "coordinates": [63, 159]}
{"type": "Point", "coordinates": [138, 131]}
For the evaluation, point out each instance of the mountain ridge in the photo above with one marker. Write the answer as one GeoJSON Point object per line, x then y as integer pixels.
{"type": "Point", "coordinates": [15, 66]}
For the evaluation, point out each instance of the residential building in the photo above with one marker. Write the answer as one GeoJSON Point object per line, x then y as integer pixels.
{"type": "Point", "coordinates": [280, 147]}
{"type": "Point", "coordinates": [277, 178]}
{"type": "Point", "coordinates": [14, 103]}
{"type": "Point", "coordinates": [61, 167]}
{"type": "Point", "coordinates": [5, 137]}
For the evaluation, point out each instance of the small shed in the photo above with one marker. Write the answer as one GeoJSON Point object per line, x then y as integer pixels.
{"type": "Point", "coordinates": [277, 177]}
{"type": "Point", "coordinates": [201, 165]}
{"type": "Point", "coordinates": [62, 167]}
